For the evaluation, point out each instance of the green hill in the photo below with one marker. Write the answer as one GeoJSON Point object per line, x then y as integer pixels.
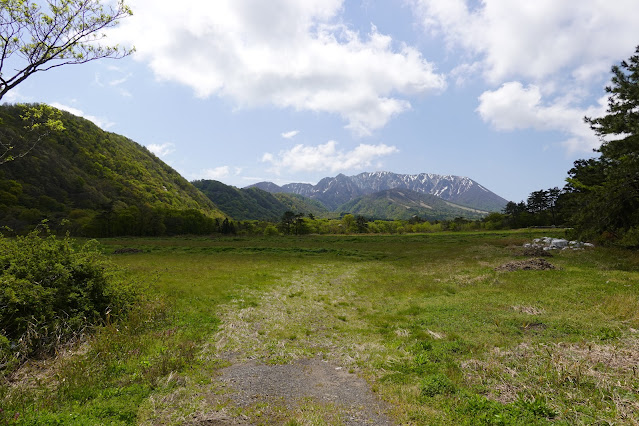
{"type": "Point", "coordinates": [404, 204]}
{"type": "Point", "coordinates": [103, 183]}
{"type": "Point", "coordinates": [242, 204]}
{"type": "Point", "coordinates": [255, 204]}
{"type": "Point", "coordinates": [300, 204]}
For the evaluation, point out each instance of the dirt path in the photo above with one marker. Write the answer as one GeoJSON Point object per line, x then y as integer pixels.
{"type": "Point", "coordinates": [309, 391]}
{"type": "Point", "coordinates": [291, 361]}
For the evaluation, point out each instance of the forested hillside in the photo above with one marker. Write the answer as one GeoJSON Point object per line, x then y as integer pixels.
{"type": "Point", "coordinates": [255, 204]}
{"type": "Point", "coordinates": [103, 183]}
{"type": "Point", "coordinates": [404, 204]}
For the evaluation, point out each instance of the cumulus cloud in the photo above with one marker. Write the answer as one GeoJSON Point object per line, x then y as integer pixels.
{"type": "Point", "coordinates": [216, 173]}
{"type": "Point", "coordinates": [546, 56]}
{"type": "Point", "coordinates": [101, 122]}
{"type": "Point", "coordinates": [534, 40]}
{"type": "Point", "coordinates": [161, 150]}
{"type": "Point", "coordinates": [514, 106]}
{"type": "Point", "coordinates": [326, 157]}
{"type": "Point", "coordinates": [291, 134]}
{"type": "Point", "coordinates": [287, 53]}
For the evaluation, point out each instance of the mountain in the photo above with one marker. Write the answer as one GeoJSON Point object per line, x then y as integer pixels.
{"type": "Point", "coordinates": [256, 204]}
{"type": "Point", "coordinates": [300, 204]}
{"type": "Point", "coordinates": [340, 189]}
{"type": "Point", "coordinates": [397, 203]}
{"type": "Point", "coordinates": [104, 183]}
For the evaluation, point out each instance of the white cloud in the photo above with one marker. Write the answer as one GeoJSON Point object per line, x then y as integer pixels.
{"type": "Point", "coordinates": [161, 150]}
{"type": "Point", "coordinates": [291, 134]}
{"type": "Point", "coordinates": [14, 96]}
{"type": "Point", "coordinates": [216, 173]}
{"type": "Point", "coordinates": [514, 106]}
{"type": "Point", "coordinates": [326, 157]}
{"type": "Point", "coordinates": [547, 56]}
{"type": "Point", "coordinates": [536, 39]}
{"type": "Point", "coordinates": [101, 122]}
{"type": "Point", "coordinates": [287, 53]}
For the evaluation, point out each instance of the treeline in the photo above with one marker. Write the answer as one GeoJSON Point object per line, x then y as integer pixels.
{"type": "Point", "coordinates": [601, 198]}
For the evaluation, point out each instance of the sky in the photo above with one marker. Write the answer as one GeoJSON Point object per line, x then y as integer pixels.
{"type": "Point", "coordinates": [243, 91]}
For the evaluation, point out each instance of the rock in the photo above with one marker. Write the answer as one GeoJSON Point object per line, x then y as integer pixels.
{"type": "Point", "coordinates": [559, 243]}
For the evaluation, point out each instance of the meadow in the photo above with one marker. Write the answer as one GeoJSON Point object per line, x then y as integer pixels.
{"type": "Point", "coordinates": [438, 334]}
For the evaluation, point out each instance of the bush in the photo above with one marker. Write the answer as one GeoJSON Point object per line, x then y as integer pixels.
{"type": "Point", "coordinates": [437, 384]}
{"type": "Point", "coordinates": [270, 231]}
{"type": "Point", "coordinates": [51, 292]}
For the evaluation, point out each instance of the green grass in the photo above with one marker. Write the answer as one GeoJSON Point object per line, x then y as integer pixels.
{"type": "Point", "coordinates": [438, 333]}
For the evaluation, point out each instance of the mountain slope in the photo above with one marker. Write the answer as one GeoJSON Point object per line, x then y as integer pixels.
{"type": "Point", "coordinates": [300, 204]}
{"type": "Point", "coordinates": [404, 204]}
{"type": "Point", "coordinates": [242, 204]}
{"type": "Point", "coordinates": [340, 189]}
{"type": "Point", "coordinates": [256, 204]}
{"type": "Point", "coordinates": [95, 179]}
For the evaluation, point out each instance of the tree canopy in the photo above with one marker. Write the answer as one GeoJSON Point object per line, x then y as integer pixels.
{"type": "Point", "coordinates": [604, 192]}
{"type": "Point", "coordinates": [38, 36]}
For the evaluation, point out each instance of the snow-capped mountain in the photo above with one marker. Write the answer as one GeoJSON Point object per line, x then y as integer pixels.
{"type": "Point", "coordinates": [335, 191]}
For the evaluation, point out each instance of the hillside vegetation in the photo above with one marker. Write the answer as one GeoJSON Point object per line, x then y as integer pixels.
{"type": "Point", "coordinates": [255, 204]}
{"type": "Point", "coordinates": [404, 204]}
{"type": "Point", "coordinates": [104, 183]}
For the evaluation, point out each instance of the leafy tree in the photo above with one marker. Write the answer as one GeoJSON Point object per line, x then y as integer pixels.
{"type": "Point", "coordinates": [348, 221]}
{"type": "Point", "coordinates": [38, 121]}
{"type": "Point", "coordinates": [36, 38]}
{"type": "Point", "coordinates": [361, 224]}
{"type": "Point", "coordinates": [538, 201]}
{"type": "Point", "coordinates": [286, 222]}
{"type": "Point", "coordinates": [604, 192]}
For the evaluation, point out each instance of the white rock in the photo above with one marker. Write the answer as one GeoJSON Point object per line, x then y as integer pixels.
{"type": "Point", "coordinates": [559, 243]}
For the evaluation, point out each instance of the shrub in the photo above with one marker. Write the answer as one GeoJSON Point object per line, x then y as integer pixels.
{"type": "Point", "coordinates": [50, 292]}
{"type": "Point", "coordinates": [437, 384]}
{"type": "Point", "coordinates": [270, 231]}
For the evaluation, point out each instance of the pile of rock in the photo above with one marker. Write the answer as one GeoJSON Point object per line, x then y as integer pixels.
{"type": "Point", "coordinates": [548, 243]}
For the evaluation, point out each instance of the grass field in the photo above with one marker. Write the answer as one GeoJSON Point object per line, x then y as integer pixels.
{"type": "Point", "coordinates": [439, 335]}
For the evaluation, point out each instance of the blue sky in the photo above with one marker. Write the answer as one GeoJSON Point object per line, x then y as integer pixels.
{"type": "Point", "coordinates": [295, 90]}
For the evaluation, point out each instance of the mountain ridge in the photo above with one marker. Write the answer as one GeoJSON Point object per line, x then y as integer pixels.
{"type": "Point", "coordinates": [335, 191]}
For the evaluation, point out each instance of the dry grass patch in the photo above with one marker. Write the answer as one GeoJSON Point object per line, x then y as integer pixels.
{"type": "Point", "coordinates": [528, 310]}
{"type": "Point", "coordinates": [566, 374]}
{"type": "Point", "coordinates": [526, 265]}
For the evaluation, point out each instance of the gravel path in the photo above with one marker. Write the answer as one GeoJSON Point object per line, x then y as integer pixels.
{"type": "Point", "coordinates": [275, 379]}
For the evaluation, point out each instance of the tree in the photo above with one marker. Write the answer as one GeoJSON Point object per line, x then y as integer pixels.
{"type": "Point", "coordinates": [361, 224]}
{"type": "Point", "coordinates": [38, 122]}
{"type": "Point", "coordinates": [538, 201]}
{"type": "Point", "coordinates": [36, 38]}
{"type": "Point", "coordinates": [286, 222]}
{"type": "Point", "coordinates": [604, 192]}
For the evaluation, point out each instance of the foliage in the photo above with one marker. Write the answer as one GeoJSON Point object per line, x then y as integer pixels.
{"type": "Point", "coordinates": [51, 291]}
{"type": "Point", "coordinates": [38, 122]}
{"type": "Point", "coordinates": [35, 38]}
{"type": "Point", "coordinates": [104, 184]}
{"type": "Point", "coordinates": [546, 207]}
{"type": "Point", "coordinates": [292, 223]}
{"type": "Point", "coordinates": [242, 204]}
{"type": "Point", "coordinates": [404, 204]}
{"type": "Point", "coordinates": [299, 203]}
{"type": "Point", "coordinates": [604, 192]}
